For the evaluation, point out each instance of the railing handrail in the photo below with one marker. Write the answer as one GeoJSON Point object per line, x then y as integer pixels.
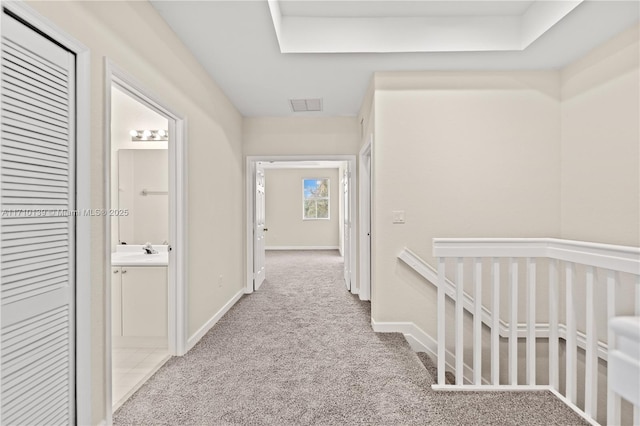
{"type": "Point", "coordinates": [429, 273]}
{"type": "Point", "coordinates": [609, 256]}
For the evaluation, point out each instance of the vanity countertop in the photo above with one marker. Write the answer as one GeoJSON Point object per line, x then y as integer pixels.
{"type": "Point", "coordinates": [133, 255]}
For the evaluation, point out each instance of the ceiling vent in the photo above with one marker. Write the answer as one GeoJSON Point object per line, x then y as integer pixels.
{"type": "Point", "coordinates": [305, 105]}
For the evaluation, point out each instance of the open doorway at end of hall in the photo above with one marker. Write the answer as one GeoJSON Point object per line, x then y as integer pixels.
{"type": "Point", "coordinates": [300, 203]}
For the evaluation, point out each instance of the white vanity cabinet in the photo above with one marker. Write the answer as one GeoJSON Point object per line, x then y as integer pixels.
{"type": "Point", "coordinates": [139, 301]}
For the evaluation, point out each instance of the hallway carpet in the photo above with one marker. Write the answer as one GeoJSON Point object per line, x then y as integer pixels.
{"type": "Point", "coordinates": [301, 351]}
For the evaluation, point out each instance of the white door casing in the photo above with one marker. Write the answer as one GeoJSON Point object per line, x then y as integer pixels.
{"type": "Point", "coordinates": [346, 210]}
{"type": "Point", "coordinates": [38, 228]}
{"type": "Point", "coordinates": [365, 193]}
{"type": "Point", "coordinates": [259, 232]}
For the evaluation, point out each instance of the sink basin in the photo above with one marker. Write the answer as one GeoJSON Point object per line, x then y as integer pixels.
{"type": "Point", "coordinates": [132, 255]}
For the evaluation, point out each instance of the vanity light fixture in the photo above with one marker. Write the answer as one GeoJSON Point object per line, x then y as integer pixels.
{"type": "Point", "coordinates": [149, 135]}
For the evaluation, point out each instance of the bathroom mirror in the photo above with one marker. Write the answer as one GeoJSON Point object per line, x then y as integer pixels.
{"type": "Point", "coordinates": [143, 197]}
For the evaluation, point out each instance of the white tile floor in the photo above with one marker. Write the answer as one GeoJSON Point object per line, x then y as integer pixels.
{"type": "Point", "coordinates": [131, 367]}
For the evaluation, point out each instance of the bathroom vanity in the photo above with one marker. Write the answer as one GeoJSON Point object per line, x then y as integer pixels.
{"type": "Point", "coordinates": [139, 295]}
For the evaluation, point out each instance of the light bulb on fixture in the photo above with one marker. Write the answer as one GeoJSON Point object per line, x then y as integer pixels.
{"type": "Point", "coordinates": [133, 133]}
{"type": "Point", "coordinates": [146, 133]}
{"type": "Point", "coordinates": [162, 133]}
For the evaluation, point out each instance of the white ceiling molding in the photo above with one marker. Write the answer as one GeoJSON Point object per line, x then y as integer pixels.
{"type": "Point", "coordinates": [438, 28]}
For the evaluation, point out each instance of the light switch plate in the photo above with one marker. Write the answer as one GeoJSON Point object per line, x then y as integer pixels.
{"type": "Point", "coordinates": [398, 216]}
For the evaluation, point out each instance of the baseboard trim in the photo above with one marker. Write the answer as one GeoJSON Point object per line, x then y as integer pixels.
{"type": "Point", "coordinates": [195, 338]}
{"type": "Point", "coordinates": [420, 341]}
{"type": "Point", "coordinates": [138, 342]}
{"type": "Point", "coordinates": [302, 248]}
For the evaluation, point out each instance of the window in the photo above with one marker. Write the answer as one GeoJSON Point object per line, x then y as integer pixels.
{"type": "Point", "coordinates": [315, 198]}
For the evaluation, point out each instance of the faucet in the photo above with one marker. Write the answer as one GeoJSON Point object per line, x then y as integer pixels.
{"type": "Point", "coordinates": [148, 249]}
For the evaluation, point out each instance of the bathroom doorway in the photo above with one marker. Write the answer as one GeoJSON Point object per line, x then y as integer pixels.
{"type": "Point", "coordinates": [145, 202]}
{"type": "Point", "coordinates": [139, 243]}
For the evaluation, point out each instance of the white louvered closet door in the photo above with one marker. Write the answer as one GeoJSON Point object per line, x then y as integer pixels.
{"type": "Point", "coordinates": [37, 236]}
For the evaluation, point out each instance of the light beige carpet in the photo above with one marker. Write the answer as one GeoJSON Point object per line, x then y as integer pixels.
{"type": "Point", "coordinates": [301, 351]}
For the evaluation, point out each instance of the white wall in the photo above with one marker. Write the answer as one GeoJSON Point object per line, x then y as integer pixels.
{"type": "Point", "coordinates": [284, 210]}
{"type": "Point", "coordinates": [300, 135]}
{"type": "Point", "coordinates": [600, 144]}
{"type": "Point", "coordinates": [136, 39]}
{"type": "Point", "coordinates": [473, 154]}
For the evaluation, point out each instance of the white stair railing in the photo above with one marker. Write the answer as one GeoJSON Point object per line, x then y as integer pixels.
{"type": "Point", "coordinates": [568, 276]}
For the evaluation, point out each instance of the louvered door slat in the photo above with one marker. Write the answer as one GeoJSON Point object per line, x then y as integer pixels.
{"type": "Point", "coordinates": [53, 167]}
{"type": "Point", "coordinates": [29, 103]}
{"type": "Point", "coordinates": [22, 180]}
{"type": "Point", "coordinates": [52, 145]}
{"type": "Point", "coordinates": [18, 88]}
{"type": "Point", "coordinates": [24, 135]}
{"type": "Point", "coordinates": [46, 90]}
{"type": "Point", "coordinates": [45, 223]}
{"type": "Point", "coordinates": [15, 168]}
{"type": "Point", "coordinates": [31, 397]}
{"type": "Point", "coordinates": [33, 187]}
{"type": "Point", "coordinates": [34, 241]}
{"type": "Point", "coordinates": [21, 66]}
{"type": "Point", "coordinates": [22, 108]}
{"type": "Point", "coordinates": [16, 120]}
{"type": "Point", "coordinates": [19, 394]}
{"type": "Point", "coordinates": [35, 150]}
{"type": "Point", "coordinates": [36, 236]}
{"type": "Point", "coordinates": [50, 67]}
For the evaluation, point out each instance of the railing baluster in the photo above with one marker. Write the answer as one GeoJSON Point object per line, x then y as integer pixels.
{"type": "Point", "coordinates": [591, 366]}
{"type": "Point", "coordinates": [571, 350]}
{"type": "Point", "coordinates": [477, 321]}
{"type": "Point", "coordinates": [460, 321]}
{"type": "Point", "coordinates": [554, 376]}
{"type": "Point", "coordinates": [513, 322]}
{"type": "Point", "coordinates": [613, 399]}
{"type": "Point", "coordinates": [531, 321]}
{"type": "Point", "coordinates": [495, 323]}
{"type": "Point", "coordinates": [441, 317]}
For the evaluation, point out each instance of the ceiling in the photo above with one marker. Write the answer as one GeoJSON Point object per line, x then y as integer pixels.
{"type": "Point", "coordinates": [240, 43]}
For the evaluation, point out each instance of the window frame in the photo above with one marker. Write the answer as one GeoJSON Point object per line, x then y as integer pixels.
{"type": "Point", "coordinates": [316, 199]}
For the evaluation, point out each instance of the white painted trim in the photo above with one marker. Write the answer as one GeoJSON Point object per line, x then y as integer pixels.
{"type": "Point", "coordinates": [250, 170]}
{"type": "Point", "coordinates": [491, 388]}
{"type": "Point", "coordinates": [541, 329]}
{"type": "Point", "coordinates": [420, 341]}
{"type": "Point", "coordinates": [607, 256]}
{"type": "Point", "coordinates": [195, 338]}
{"type": "Point", "coordinates": [83, 324]}
{"type": "Point", "coordinates": [573, 407]}
{"type": "Point", "coordinates": [302, 248]}
{"type": "Point", "coordinates": [365, 193]}
{"type": "Point", "coordinates": [177, 277]}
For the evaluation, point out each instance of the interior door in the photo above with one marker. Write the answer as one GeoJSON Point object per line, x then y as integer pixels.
{"type": "Point", "coordinates": [37, 233]}
{"type": "Point", "coordinates": [346, 234]}
{"type": "Point", "coordinates": [259, 232]}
